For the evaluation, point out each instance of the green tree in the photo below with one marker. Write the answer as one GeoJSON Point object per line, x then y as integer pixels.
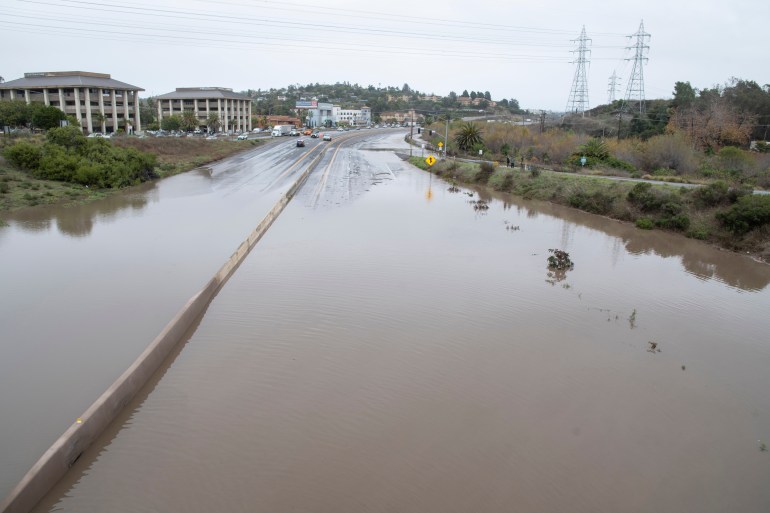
{"type": "Point", "coordinates": [47, 117]}
{"type": "Point", "coordinates": [465, 93]}
{"type": "Point", "coordinates": [188, 121]}
{"type": "Point", "coordinates": [474, 95]}
{"type": "Point", "coordinates": [213, 123]}
{"type": "Point", "coordinates": [14, 113]}
{"type": "Point", "coordinates": [171, 123]}
{"type": "Point", "coordinates": [147, 111]}
{"type": "Point", "coordinates": [487, 95]}
{"type": "Point", "coordinates": [684, 95]}
{"type": "Point", "coordinates": [97, 119]}
{"type": "Point", "coordinates": [469, 136]}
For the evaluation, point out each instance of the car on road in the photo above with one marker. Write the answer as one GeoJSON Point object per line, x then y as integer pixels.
{"type": "Point", "coordinates": [294, 133]}
{"type": "Point", "coordinates": [314, 135]}
{"type": "Point", "coordinates": [300, 143]}
{"type": "Point", "coordinates": [327, 137]}
{"type": "Point", "coordinates": [211, 138]}
{"type": "Point", "coordinates": [307, 132]}
{"type": "Point", "coordinates": [243, 137]}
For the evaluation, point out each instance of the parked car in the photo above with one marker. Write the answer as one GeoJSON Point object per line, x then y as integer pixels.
{"type": "Point", "coordinates": [300, 143]}
{"type": "Point", "coordinates": [327, 137]}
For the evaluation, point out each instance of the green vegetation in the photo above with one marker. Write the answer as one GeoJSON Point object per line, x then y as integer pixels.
{"type": "Point", "coordinates": [66, 167]}
{"type": "Point", "coordinates": [18, 189]}
{"type": "Point", "coordinates": [68, 156]}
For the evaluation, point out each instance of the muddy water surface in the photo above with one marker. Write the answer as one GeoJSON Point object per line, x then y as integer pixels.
{"type": "Point", "coordinates": [399, 350]}
{"type": "Point", "coordinates": [84, 289]}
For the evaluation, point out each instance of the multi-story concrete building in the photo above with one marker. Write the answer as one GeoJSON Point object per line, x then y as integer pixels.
{"type": "Point", "coordinates": [95, 100]}
{"type": "Point", "coordinates": [233, 109]}
{"type": "Point", "coordinates": [354, 117]}
{"type": "Point", "coordinates": [401, 116]}
{"type": "Point", "coordinates": [318, 113]}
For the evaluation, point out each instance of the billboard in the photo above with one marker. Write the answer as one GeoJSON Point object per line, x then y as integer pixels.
{"type": "Point", "coordinates": [306, 104]}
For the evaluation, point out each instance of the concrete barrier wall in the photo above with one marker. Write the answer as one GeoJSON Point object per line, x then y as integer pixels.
{"type": "Point", "coordinates": [57, 460]}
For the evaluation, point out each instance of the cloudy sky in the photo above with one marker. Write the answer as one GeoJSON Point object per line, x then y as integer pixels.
{"type": "Point", "coordinates": [514, 49]}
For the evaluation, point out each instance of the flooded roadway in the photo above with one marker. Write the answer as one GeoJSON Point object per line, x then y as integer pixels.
{"type": "Point", "coordinates": [86, 288]}
{"type": "Point", "coordinates": [388, 346]}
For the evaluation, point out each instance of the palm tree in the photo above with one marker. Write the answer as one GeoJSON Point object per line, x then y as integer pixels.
{"type": "Point", "coordinates": [468, 137]}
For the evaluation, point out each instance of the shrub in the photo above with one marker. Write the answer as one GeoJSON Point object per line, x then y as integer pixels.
{"type": "Point", "coordinates": [698, 233]}
{"type": "Point", "coordinates": [748, 213]}
{"type": "Point", "coordinates": [679, 222]}
{"type": "Point", "coordinates": [560, 260]}
{"type": "Point", "coordinates": [70, 137]}
{"type": "Point", "coordinates": [597, 202]}
{"type": "Point", "coordinates": [486, 169]}
{"type": "Point", "coordinates": [4, 188]}
{"type": "Point", "coordinates": [645, 223]}
{"type": "Point", "coordinates": [23, 155]}
{"type": "Point", "coordinates": [644, 197]}
{"type": "Point", "coordinates": [711, 195]}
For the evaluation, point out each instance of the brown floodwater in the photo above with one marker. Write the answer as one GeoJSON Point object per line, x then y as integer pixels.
{"type": "Point", "coordinates": [84, 289]}
{"type": "Point", "coordinates": [388, 347]}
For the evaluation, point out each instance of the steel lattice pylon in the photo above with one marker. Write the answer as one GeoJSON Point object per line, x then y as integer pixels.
{"type": "Point", "coordinates": [578, 96]}
{"type": "Point", "coordinates": [635, 89]}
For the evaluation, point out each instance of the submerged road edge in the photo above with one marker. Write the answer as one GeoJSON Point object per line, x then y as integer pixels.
{"type": "Point", "coordinates": [58, 459]}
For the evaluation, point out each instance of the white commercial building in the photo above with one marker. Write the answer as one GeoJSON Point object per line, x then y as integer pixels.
{"type": "Point", "coordinates": [232, 109]}
{"type": "Point", "coordinates": [353, 117]}
{"type": "Point", "coordinates": [95, 100]}
{"type": "Point", "coordinates": [317, 114]}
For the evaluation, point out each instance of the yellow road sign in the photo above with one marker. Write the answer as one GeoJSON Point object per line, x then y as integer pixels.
{"type": "Point", "coordinates": [430, 160]}
{"type": "Point", "coordinates": [440, 144]}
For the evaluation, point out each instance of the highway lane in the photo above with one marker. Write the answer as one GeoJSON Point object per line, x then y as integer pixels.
{"type": "Point", "coordinates": [87, 288]}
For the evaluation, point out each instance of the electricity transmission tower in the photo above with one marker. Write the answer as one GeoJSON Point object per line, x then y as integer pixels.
{"type": "Point", "coordinates": [635, 88]}
{"type": "Point", "coordinates": [578, 96]}
{"type": "Point", "coordinates": [612, 87]}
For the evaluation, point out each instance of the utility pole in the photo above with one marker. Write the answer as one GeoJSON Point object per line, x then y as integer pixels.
{"type": "Point", "coordinates": [411, 131]}
{"type": "Point", "coordinates": [578, 96]}
{"type": "Point", "coordinates": [446, 136]}
{"type": "Point", "coordinates": [636, 82]}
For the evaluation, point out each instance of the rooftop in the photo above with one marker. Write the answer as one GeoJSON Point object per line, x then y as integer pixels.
{"type": "Point", "coordinates": [50, 79]}
{"type": "Point", "coordinates": [192, 93]}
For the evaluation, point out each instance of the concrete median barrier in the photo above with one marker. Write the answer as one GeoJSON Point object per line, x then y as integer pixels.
{"type": "Point", "coordinates": [57, 460]}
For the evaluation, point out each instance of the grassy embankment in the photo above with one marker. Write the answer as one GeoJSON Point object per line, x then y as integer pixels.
{"type": "Point", "coordinates": [729, 218]}
{"type": "Point", "coordinates": [20, 189]}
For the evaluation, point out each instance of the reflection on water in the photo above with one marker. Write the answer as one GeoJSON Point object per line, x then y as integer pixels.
{"type": "Point", "coordinates": [697, 258]}
{"type": "Point", "coordinates": [78, 220]}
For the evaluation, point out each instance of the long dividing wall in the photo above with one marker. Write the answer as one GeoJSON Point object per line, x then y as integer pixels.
{"type": "Point", "coordinates": [57, 460]}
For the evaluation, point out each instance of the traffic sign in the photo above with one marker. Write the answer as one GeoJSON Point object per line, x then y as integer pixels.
{"type": "Point", "coordinates": [440, 144]}
{"type": "Point", "coordinates": [430, 160]}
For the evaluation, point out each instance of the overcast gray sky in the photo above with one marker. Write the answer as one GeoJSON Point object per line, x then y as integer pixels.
{"type": "Point", "coordinates": [517, 49]}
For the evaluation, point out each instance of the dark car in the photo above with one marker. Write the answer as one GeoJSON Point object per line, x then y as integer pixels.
{"type": "Point", "coordinates": [301, 143]}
